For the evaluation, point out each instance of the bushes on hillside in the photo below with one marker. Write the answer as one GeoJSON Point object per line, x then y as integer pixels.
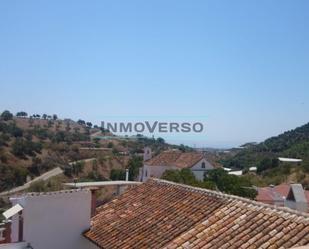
{"type": "Point", "coordinates": [134, 165]}
{"type": "Point", "coordinates": [11, 176]}
{"type": "Point", "coordinates": [267, 163]}
{"type": "Point", "coordinates": [22, 148]}
{"type": "Point", "coordinates": [118, 174]}
{"type": "Point", "coordinates": [38, 186]}
{"type": "Point", "coordinates": [68, 137]}
{"type": "Point", "coordinates": [74, 169]}
{"type": "Point", "coordinates": [11, 129]}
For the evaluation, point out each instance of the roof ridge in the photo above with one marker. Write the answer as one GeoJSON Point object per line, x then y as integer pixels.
{"type": "Point", "coordinates": [277, 209]}
{"type": "Point", "coordinates": [31, 194]}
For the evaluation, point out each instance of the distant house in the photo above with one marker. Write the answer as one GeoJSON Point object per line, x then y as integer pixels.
{"type": "Point", "coordinates": [289, 160]}
{"type": "Point", "coordinates": [235, 173]}
{"type": "Point", "coordinates": [287, 195]}
{"type": "Point", "coordinates": [175, 160]}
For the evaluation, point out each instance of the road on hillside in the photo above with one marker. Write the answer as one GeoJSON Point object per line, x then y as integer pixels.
{"type": "Point", "coordinates": [83, 160]}
{"type": "Point", "coordinates": [54, 172]}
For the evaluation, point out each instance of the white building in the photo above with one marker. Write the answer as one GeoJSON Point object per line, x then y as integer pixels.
{"type": "Point", "coordinates": [52, 220]}
{"type": "Point", "coordinates": [176, 160]}
{"type": "Point", "coordinates": [289, 160]}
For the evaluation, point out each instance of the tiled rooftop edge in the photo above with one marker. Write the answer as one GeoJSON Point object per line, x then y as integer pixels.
{"type": "Point", "coordinates": [269, 207]}
{"type": "Point", "coordinates": [61, 192]}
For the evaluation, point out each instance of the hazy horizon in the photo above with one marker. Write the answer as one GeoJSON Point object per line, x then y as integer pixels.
{"type": "Point", "coordinates": [243, 64]}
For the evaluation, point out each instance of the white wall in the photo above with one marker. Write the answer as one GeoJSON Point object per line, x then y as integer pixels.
{"type": "Point", "coordinates": [21, 245]}
{"type": "Point", "coordinates": [157, 171]}
{"type": "Point", "coordinates": [56, 220]}
{"type": "Point", "coordinates": [300, 206]}
{"type": "Point", "coordinates": [198, 171]}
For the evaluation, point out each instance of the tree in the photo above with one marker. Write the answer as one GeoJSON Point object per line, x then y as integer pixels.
{"type": "Point", "coordinates": [160, 140]}
{"type": "Point", "coordinates": [49, 123]}
{"type": "Point", "coordinates": [182, 148]}
{"type": "Point", "coordinates": [81, 122]}
{"type": "Point", "coordinates": [134, 164]}
{"type": "Point", "coordinates": [96, 140]}
{"type": "Point", "coordinates": [44, 116]}
{"type": "Point", "coordinates": [38, 186]}
{"type": "Point", "coordinates": [67, 127]}
{"type": "Point", "coordinates": [21, 148]}
{"type": "Point", "coordinates": [21, 114]}
{"type": "Point", "coordinates": [181, 176]}
{"type": "Point", "coordinates": [78, 167]}
{"type": "Point", "coordinates": [267, 163]}
{"type": "Point", "coordinates": [117, 174]}
{"type": "Point", "coordinates": [55, 117]}
{"type": "Point", "coordinates": [89, 124]}
{"type": "Point", "coordinates": [231, 184]}
{"type": "Point", "coordinates": [6, 115]}
{"type": "Point", "coordinates": [115, 151]}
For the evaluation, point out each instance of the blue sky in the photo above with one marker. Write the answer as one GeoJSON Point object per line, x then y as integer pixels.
{"type": "Point", "coordinates": [243, 64]}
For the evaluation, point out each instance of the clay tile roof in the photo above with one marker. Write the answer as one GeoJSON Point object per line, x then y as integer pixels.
{"type": "Point", "coordinates": [273, 194]}
{"type": "Point", "coordinates": [276, 193]}
{"type": "Point", "coordinates": [161, 214]}
{"type": "Point", "coordinates": [176, 158]}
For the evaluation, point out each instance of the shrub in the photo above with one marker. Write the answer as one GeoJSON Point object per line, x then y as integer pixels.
{"type": "Point", "coordinates": [22, 148]}
{"type": "Point", "coordinates": [117, 174]}
{"type": "Point", "coordinates": [6, 115]}
{"type": "Point", "coordinates": [38, 186]}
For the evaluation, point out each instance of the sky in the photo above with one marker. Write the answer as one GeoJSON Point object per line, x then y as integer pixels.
{"type": "Point", "coordinates": [244, 65]}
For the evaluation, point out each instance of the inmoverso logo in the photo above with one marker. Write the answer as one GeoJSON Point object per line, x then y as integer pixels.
{"type": "Point", "coordinates": [153, 127]}
{"type": "Point", "coordinates": [176, 127]}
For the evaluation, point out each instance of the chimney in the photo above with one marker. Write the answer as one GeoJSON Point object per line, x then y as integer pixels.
{"type": "Point", "coordinates": [127, 175]}
{"type": "Point", "coordinates": [5, 232]}
{"type": "Point", "coordinates": [93, 201]}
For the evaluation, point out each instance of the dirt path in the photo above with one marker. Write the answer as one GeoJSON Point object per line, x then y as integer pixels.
{"type": "Point", "coordinates": [54, 172]}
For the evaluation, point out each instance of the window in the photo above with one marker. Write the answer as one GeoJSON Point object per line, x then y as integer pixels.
{"type": "Point", "coordinates": [203, 165]}
{"type": "Point", "coordinates": [146, 173]}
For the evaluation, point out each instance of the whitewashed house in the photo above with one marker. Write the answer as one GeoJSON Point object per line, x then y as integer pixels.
{"type": "Point", "coordinates": [176, 160]}
{"type": "Point", "coordinates": [51, 220]}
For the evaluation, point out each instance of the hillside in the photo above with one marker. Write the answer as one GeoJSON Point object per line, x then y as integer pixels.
{"type": "Point", "coordinates": [264, 156]}
{"type": "Point", "coordinates": [30, 146]}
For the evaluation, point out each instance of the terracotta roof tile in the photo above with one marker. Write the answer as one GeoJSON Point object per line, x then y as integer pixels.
{"type": "Point", "coordinates": [161, 214]}
{"type": "Point", "coordinates": [176, 158]}
{"type": "Point", "coordinates": [276, 194]}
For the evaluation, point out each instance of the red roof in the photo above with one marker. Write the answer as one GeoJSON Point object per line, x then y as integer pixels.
{"type": "Point", "coordinates": [275, 193]}
{"type": "Point", "coordinates": [162, 214]}
{"type": "Point", "coordinates": [176, 158]}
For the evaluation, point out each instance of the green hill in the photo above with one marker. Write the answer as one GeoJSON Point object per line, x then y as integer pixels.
{"type": "Point", "coordinates": [293, 143]}
{"type": "Point", "coordinates": [30, 146]}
